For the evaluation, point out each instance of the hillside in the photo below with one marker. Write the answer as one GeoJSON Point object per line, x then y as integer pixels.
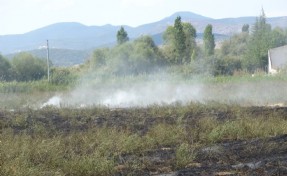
{"type": "Point", "coordinates": [69, 57]}
{"type": "Point", "coordinates": [60, 57]}
{"type": "Point", "coordinates": [76, 36]}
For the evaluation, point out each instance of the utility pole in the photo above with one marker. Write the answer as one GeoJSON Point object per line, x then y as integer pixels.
{"type": "Point", "coordinates": [48, 58]}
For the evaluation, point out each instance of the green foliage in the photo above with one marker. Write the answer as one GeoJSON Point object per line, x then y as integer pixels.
{"type": "Point", "coordinates": [190, 33]}
{"type": "Point", "coordinates": [146, 51]}
{"type": "Point", "coordinates": [235, 46]}
{"type": "Point", "coordinates": [119, 61]}
{"type": "Point", "coordinates": [165, 135]}
{"type": "Point", "coordinates": [245, 127]}
{"type": "Point", "coordinates": [180, 39]}
{"type": "Point", "coordinates": [231, 55]}
{"type": "Point", "coordinates": [5, 69]}
{"type": "Point", "coordinates": [99, 57]}
{"type": "Point", "coordinates": [184, 155]}
{"type": "Point", "coordinates": [245, 28]}
{"type": "Point", "coordinates": [260, 42]}
{"type": "Point", "coordinates": [63, 76]}
{"type": "Point", "coordinates": [227, 65]}
{"type": "Point", "coordinates": [28, 68]}
{"type": "Point", "coordinates": [180, 45]}
{"type": "Point", "coordinates": [279, 37]}
{"type": "Point", "coordinates": [138, 56]}
{"type": "Point", "coordinates": [250, 51]}
{"type": "Point", "coordinates": [208, 39]}
{"type": "Point", "coordinates": [122, 36]}
{"type": "Point", "coordinates": [169, 45]}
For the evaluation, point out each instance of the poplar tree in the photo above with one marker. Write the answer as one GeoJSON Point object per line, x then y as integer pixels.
{"type": "Point", "coordinates": [190, 43]}
{"type": "Point", "coordinates": [260, 42]}
{"type": "Point", "coordinates": [208, 39]}
{"type": "Point", "coordinates": [122, 36]}
{"type": "Point", "coordinates": [179, 40]}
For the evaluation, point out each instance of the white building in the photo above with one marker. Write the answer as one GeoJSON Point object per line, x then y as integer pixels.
{"type": "Point", "coordinates": [277, 59]}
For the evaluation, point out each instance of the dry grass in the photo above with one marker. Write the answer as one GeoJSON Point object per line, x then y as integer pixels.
{"type": "Point", "coordinates": [74, 142]}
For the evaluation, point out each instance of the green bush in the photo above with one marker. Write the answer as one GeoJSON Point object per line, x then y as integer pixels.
{"type": "Point", "coordinates": [5, 69]}
{"type": "Point", "coordinates": [227, 65]}
{"type": "Point", "coordinates": [63, 76]}
{"type": "Point", "coordinates": [28, 68]}
{"type": "Point", "coordinates": [185, 155]}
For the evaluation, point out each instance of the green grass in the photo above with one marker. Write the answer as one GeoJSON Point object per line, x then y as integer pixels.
{"type": "Point", "coordinates": [248, 127]}
{"type": "Point", "coordinates": [29, 87]}
{"type": "Point", "coordinates": [36, 142]}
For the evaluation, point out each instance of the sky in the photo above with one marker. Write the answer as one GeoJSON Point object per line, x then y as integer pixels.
{"type": "Point", "coordinates": [21, 16]}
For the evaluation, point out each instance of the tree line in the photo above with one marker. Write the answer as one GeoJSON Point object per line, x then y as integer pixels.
{"type": "Point", "coordinates": [246, 51]}
{"type": "Point", "coordinates": [142, 55]}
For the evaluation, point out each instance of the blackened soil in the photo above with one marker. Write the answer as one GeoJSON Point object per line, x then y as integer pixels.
{"type": "Point", "coordinates": [266, 156]}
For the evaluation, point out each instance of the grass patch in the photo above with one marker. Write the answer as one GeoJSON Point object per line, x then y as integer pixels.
{"type": "Point", "coordinates": [55, 141]}
{"type": "Point", "coordinates": [245, 128]}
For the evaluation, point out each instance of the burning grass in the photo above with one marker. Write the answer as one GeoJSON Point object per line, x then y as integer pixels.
{"type": "Point", "coordinates": [145, 90]}
{"type": "Point", "coordinates": [177, 139]}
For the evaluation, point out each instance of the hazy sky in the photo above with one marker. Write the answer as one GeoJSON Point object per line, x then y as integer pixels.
{"type": "Point", "coordinates": [20, 16]}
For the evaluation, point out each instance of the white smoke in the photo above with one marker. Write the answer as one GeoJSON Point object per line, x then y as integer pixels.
{"type": "Point", "coordinates": [131, 95]}
{"type": "Point", "coordinates": [54, 101]}
{"type": "Point", "coordinates": [161, 93]}
{"type": "Point", "coordinates": [136, 93]}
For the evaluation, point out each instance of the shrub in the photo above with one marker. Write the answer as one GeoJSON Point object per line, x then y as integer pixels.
{"type": "Point", "coordinates": [28, 68]}
{"type": "Point", "coordinates": [62, 76]}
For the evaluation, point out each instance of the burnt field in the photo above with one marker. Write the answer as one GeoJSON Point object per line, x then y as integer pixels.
{"type": "Point", "coordinates": [193, 139]}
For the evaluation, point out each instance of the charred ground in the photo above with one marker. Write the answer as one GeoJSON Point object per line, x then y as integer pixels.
{"type": "Point", "coordinates": [193, 139]}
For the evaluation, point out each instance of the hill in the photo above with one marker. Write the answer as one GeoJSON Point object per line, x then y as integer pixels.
{"type": "Point", "coordinates": [69, 57]}
{"type": "Point", "coordinates": [60, 57]}
{"type": "Point", "coordinates": [70, 36]}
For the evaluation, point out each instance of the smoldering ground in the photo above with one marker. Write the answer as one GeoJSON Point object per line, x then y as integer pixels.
{"type": "Point", "coordinates": [130, 92]}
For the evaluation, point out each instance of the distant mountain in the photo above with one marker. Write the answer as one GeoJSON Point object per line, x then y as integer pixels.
{"type": "Point", "coordinates": [60, 57]}
{"type": "Point", "coordinates": [60, 35]}
{"type": "Point", "coordinates": [76, 36]}
{"type": "Point", "coordinates": [69, 57]}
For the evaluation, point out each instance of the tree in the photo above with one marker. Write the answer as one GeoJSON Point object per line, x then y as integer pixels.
{"type": "Point", "coordinates": [63, 75]}
{"type": "Point", "coordinates": [208, 39]}
{"type": "Point", "coordinates": [190, 34]}
{"type": "Point", "coordinates": [180, 44]}
{"type": "Point", "coordinates": [122, 36]}
{"type": "Point", "coordinates": [169, 50]}
{"type": "Point", "coordinates": [180, 39]}
{"type": "Point", "coordinates": [236, 45]}
{"type": "Point", "coordinates": [28, 68]}
{"type": "Point", "coordinates": [5, 69]}
{"type": "Point", "coordinates": [279, 38]}
{"type": "Point", "coordinates": [145, 47]}
{"type": "Point", "coordinates": [138, 56]}
{"type": "Point", "coordinates": [258, 45]}
{"type": "Point", "coordinates": [99, 57]}
{"type": "Point", "coordinates": [245, 28]}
